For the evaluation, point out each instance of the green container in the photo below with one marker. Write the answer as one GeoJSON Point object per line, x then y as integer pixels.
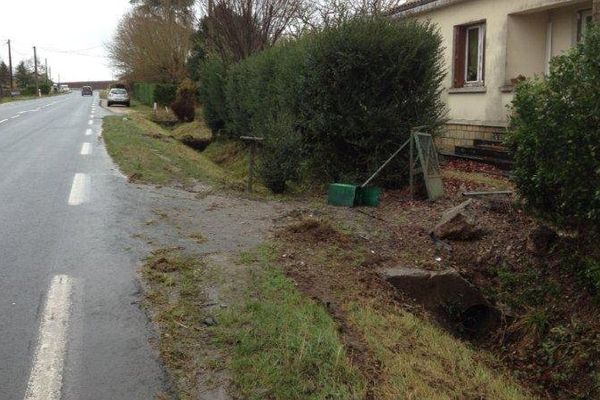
{"type": "Point", "coordinates": [368, 196]}
{"type": "Point", "coordinates": [340, 194]}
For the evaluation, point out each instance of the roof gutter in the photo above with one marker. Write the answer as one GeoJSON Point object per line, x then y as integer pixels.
{"type": "Point", "coordinates": [421, 6]}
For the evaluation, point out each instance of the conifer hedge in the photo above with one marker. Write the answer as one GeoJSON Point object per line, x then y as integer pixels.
{"type": "Point", "coordinates": [333, 104]}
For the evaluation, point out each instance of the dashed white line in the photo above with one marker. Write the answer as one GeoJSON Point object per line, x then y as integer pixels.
{"type": "Point", "coordinates": [14, 117]}
{"type": "Point", "coordinates": [3, 121]}
{"type": "Point", "coordinates": [88, 132]}
{"type": "Point", "coordinates": [90, 122]}
{"type": "Point", "coordinates": [80, 190]}
{"type": "Point", "coordinates": [45, 381]}
{"type": "Point", "coordinates": [86, 149]}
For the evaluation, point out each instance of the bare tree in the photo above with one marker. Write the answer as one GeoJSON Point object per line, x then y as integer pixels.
{"type": "Point", "coordinates": [322, 13]}
{"type": "Point", "coordinates": [151, 46]}
{"type": "Point", "coordinates": [236, 29]}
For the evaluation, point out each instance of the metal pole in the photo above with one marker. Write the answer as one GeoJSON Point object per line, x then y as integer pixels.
{"type": "Point", "coordinates": [46, 63]}
{"type": "Point", "coordinates": [411, 171]}
{"type": "Point", "coordinates": [251, 166]}
{"type": "Point", "coordinates": [37, 83]}
{"type": "Point", "coordinates": [10, 66]}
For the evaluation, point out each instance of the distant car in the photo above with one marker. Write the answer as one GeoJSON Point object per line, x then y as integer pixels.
{"type": "Point", "coordinates": [118, 96]}
{"type": "Point", "coordinates": [87, 91]}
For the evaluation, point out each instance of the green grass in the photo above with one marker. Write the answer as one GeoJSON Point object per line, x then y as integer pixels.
{"type": "Point", "coordinates": [420, 361]}
{"type": "Point", "coordinates": [283, 345]}
{"type": "Point", "coordinates": [146, 153]}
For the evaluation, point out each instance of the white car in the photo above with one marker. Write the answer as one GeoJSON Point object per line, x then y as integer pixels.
{"type": "Point", "coordinates": [118, 96]}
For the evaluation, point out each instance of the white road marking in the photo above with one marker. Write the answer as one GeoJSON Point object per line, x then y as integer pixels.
{"type": "Point", "coordinates": [80, 190]}
{"type": "Point", "coordinates": [3, 121]}
{"type": "Point", "coordinates": [92, 115]}
{"type": "Point", "coordinates": [86, 149]}
{"type": "Point", "coordinates": [45, 381]}
{"type": "Point", "coordinates": [16, 116]}
{"type": "Point", "coordinates": [88, 132]}
{"type": "Point", "coordinates": [90, 122]}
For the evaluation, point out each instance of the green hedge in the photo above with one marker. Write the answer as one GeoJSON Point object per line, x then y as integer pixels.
{"type": "Point", "coordinates": [144, 93]}
{"type": "Point", "coordinates": [555, 138]}
{"type": "Point", "coordinates": [332, 105]}
{"type": "Point", "coordinates": [161, 93]}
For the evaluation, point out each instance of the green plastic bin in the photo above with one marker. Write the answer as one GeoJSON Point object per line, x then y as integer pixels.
{"type": "Point", "coordinates": [341, 194]}
{"type": "Point", "coordinates": [344, 195]}
{"type": "Point", "coordinates": [368, 196]}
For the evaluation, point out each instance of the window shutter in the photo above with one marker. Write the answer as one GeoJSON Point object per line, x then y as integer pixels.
{"type": "Point", "coordinates": [459, 56]}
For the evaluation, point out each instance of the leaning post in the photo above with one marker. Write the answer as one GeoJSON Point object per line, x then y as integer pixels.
{"type": "Point", "coordinates": [253, 140]}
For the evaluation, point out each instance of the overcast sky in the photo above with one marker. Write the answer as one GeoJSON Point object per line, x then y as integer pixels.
{"type": "Point", "coordinates": [71, 34]}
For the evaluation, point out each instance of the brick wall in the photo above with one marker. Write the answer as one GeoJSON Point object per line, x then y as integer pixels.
{"type": "Point", "coordinates": [464, 135]}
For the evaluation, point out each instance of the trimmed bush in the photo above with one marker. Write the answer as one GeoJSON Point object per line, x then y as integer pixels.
{"type": "Point", "coordinates": [334, 104]}
{"type": "Point", "coordinates": [165, 93]}
{"type": "Point", "coordinates": [555, 138]}
{"type": "Point", "coordinates": [184, 106]}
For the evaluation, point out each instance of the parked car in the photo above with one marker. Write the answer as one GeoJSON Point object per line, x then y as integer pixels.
{"type": "Point", "coordinates": [118, 96]}
{"type": "Point", "coordinates": [87, 91]}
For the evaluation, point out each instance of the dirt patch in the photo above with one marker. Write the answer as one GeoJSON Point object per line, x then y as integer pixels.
{"type": "Point", "coordinates": [550, 322]}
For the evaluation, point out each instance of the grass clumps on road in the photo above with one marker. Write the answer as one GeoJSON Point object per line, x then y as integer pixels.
{"type": "Point", "coordinates": [172, 297]}
{"type": "Point", "coordinates": [146, 153]}
{"type": "Point", "coordinates": [283, 345]}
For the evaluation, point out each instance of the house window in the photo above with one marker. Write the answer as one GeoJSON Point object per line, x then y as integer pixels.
{"type": "Point", "coordinates": [584, 20]}
{"type": "Point", "coordinates": [469, 55]}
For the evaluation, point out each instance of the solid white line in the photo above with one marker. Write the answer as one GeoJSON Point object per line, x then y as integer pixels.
{"type": "Point", "coordinates": [90, 122]}
{"type": "Point", "coordinates": [16, 116]}
{"type": "Point", "coordinates": [86, 149]}
{"type": "Point", "coordinates": [88, 132]}
{"type": "Point", "coordinates": [80, 190]}
{"type": "Point", "coordinates": [3, 121]}
{"type": "Point", "coordinates": [45, 381]}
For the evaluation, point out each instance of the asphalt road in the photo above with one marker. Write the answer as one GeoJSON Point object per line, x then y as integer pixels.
{"type": "Point", "coordinates": [70, 326]}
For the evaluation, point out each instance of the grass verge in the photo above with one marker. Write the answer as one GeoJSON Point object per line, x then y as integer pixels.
{"type": "Point", "coordinates": [403, 355]}
{"type": "Point", "coordinates": [283, 345]}
{"type": "Point", "coordinates": [145, 152]}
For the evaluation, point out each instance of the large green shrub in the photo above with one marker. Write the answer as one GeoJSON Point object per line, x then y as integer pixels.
{"type": "Point", "coordinates": [555, 138]}
{"type": "Point", "coordinates": [368, 83]}
{"type": "Point", "coordinates": [164, 93]}
{"type": "Point", "coordinates": [212, 93]}
{"type": "Point", "coordinates": [338, 102]}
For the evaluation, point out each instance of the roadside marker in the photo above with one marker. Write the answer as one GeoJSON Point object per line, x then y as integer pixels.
{"type": "Point", "coordinates": [86, 149]}
{"type": "Point", "coordinates": [80, 190]}
{"type": "Point", "coordinates": [45, 381]}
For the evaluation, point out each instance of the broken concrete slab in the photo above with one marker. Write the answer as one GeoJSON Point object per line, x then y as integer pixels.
{"type": "Point", "coordinates": [446, 293]}
{"type": "Point", "coordinates": [458, 224]}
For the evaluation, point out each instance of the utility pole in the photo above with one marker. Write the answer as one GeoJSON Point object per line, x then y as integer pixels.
{"type": "Point", "coordinates": [10, 66]}
{"type": "Point", "coordinates": [46, 62]}
{"type": "Point", "coordinates": [37, 83]}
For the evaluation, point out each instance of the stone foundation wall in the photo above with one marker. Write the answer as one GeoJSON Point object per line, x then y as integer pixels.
{"type": "Point", "coordinates": [464, 135]}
